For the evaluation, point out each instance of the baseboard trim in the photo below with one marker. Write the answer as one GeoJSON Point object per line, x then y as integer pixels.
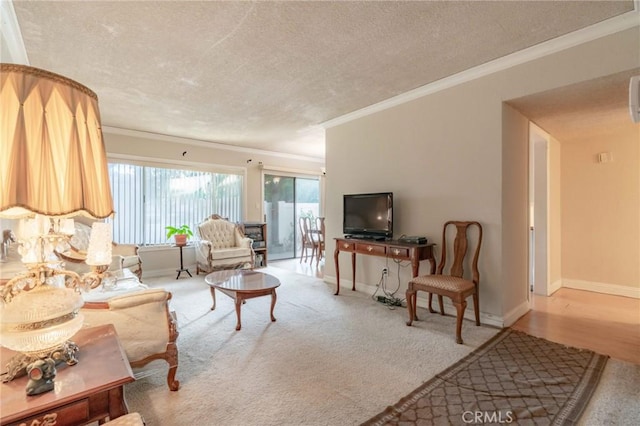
{"type": "Point", "coordinates": [613, 289]}
{"type": "Point", "coordinates": [515, 314]}
{"type": "Point", "coordinates": [553, 287]}
{"type": "Point", "coordinates": [422, 302]}
{"type": "Point", "coordinates": [154, 273]}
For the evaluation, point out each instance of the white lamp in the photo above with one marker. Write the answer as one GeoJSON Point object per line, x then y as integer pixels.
{"type": "Point", "coordinates": [100, 246]}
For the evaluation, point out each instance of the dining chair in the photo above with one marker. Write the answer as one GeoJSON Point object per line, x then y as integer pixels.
{"type": "Point", "coordinates": [452, 283]}
{"type": "Point", "coordinates": [306, 242]}
{"type": "Point", "coordinates": [319, 239]}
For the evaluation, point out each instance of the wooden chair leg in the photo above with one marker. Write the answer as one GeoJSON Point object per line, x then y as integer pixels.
{"type": "Point", "coordinates": [460, 305]}
{"type": "Point", "coordinates": [476, 307]}
{"type": "Point", "coordinates": [411, 297]}
{"type": "Point", "coordinates": [441, 305]}
{"type": "Point", "coordinates": [172, 359]}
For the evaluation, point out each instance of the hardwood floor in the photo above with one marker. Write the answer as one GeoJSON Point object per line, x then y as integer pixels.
{"type": "Point", "coordinates": [305, 268]}
{"type": "Point", "coordinates": [601, 322]}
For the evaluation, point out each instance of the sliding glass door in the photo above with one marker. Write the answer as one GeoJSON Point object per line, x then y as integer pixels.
{"type": "Point", "coordinates": [286, 198]}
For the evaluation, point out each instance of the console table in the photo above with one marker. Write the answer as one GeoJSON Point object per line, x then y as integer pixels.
{"type": "Point", "coordinates": [393, 249]}
{"type": "Point", "coordinates": [89, 391]}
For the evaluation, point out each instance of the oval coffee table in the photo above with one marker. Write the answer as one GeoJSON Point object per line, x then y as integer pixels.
{"type": "Point", "coordinates": [242, 284]}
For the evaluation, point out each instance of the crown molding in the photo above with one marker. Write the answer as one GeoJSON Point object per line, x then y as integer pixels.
{"type": "Point", "coordinates": [11, 35]}
{"type": "Point", "coordinates": [171, 163]}
{"type": "Point", "coordinates": [593, 32]}
{"type": "Point", "coordinates": [205, 144]}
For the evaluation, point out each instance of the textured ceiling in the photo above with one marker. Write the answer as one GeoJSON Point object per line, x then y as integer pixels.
{"type": "Point", "coordinates": [265, 75]}
{"type": "Point", "coordinates": [591, 109]}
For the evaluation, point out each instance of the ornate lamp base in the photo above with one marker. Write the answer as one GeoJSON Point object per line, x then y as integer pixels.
{"type": "Point", "coordinates": [40, 367]}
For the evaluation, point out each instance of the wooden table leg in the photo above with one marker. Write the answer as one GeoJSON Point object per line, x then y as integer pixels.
{"type": "Point", "coordinates": [335, 259]}
{"type": "Point", "coordinates": [213, 296]}
{"type": "Point", "coordinates": [117, 404]}
{"type": "Point", "coordinates": [415, 267]}
{"type": "Point", "coordinates": [353, 271]}
{"type": "Point", "coordinates": [273, 303]}
{"type": "Point", "coordinates": [238, 305]}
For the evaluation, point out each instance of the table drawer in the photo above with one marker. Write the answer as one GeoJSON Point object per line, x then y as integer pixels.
{"type": "Point", "coordinates": [374, 249]}
{"type": "Point", "coordinates": [346, 246]}
{"type": "Point", "coordinates": [399, 252]}
{"type": "Point", "coordinates": [67, 415]}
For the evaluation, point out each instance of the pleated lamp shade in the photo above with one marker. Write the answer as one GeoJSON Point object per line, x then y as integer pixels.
{"type": "Point", "coordinates": [52, 156]}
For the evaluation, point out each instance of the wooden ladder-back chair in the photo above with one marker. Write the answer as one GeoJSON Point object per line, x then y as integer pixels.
{"type": "Point", "coordinates": [453, 284]}
{"type": "Point", "coordinates": [320, 230]}
{"type": "Point", "coordinates": [306, 240]}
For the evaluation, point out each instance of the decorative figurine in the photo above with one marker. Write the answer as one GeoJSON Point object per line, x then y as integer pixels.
{"type": "Point", "coordinates": [41, 374]}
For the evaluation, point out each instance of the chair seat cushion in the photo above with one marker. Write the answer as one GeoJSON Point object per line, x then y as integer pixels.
{"type": "Point", "coordinates": [131, 419]}
{"type": "Point", "coordinates": [443, 282]}
{"type": "Point", "coordinates": [229, 253]}
{"type": "Point", "coordinates": [128, 261]}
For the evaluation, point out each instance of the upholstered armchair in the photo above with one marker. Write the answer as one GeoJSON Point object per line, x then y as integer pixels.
{"type": "Point", "coordinates": [222, 245]}
{"type": "Point", "coordinates": [146, 327]}
{"type": "Point", "coordinates": [123, 255]}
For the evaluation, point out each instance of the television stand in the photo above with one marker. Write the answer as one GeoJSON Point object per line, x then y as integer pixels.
{"type": "Point", "coordinates": [393, 249]}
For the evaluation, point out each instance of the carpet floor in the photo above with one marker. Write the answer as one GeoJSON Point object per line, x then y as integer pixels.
{"type": "Point", "coordinates": [327, 360]}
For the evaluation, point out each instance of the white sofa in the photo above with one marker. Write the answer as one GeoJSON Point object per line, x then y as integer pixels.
{"type": "Point", "coordinates": [146, 327]}
{"type": "Point", "coordinates": [222, 245]}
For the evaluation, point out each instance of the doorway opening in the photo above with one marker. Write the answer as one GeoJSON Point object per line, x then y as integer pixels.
{"type": "Point", "coordinates": [544, 212]}
{"type": "Point", "coordinates": [286, 199]}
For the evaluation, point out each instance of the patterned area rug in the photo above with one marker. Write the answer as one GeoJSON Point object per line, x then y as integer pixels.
{"type": "Point", "coordinates": [512, 378]}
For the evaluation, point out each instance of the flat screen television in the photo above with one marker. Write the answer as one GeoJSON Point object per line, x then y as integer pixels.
{"type": "Point", "coordinates": [368, 215]}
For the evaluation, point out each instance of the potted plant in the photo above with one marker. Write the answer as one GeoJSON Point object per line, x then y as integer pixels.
{"type": "Point", "coordinates": [180, 234]}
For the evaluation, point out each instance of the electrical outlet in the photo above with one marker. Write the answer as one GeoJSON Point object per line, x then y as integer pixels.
{"type": "Point", "coordinates": [385, 271]}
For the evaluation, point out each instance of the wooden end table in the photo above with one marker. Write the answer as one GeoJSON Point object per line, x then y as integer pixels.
{"type": "Point", "coordinates": [92, 390]}
{"type": "Point", "coordinates": [243, 284]}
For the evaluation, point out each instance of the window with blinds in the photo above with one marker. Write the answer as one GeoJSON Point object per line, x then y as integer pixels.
{"type": "Point", "coordinates": [146, 199]}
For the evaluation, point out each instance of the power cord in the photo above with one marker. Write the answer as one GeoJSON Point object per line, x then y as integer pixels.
{"type": "Point", "coordinates": [388, 298]}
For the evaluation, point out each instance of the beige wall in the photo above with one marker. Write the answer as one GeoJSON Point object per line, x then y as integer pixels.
{"type": "Point", "coordinates": [555, 214]}
{"type": "Point", "coordinates": [443, 155]}
{"type": "Point", "coordinates": [409, 150]}
{"type": "Point", "coordinates": [600, 211]}
{"type": "Point", "coordinates": [515, 227]}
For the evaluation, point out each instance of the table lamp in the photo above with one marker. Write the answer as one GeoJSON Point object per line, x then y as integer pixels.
{"type": "Point", "coordinates": [53, 166]}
